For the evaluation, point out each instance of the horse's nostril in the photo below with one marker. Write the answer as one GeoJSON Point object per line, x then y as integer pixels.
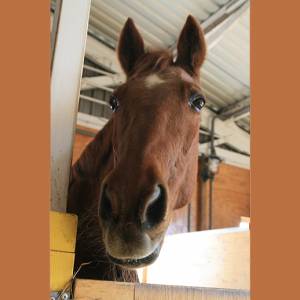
{"type": "Point", "coordinates": [155, 208]}
{"type": "Point", "coordinates": [105, 209]}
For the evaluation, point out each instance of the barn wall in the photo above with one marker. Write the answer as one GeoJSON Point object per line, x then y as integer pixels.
{"type": "Point", "coordinates": [231, 196]}
{"type": "Point", "coordinates": [81, 141]}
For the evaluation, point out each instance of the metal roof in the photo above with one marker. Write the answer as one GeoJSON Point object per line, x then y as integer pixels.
{"type": "Point", "coordinates": [159, 21]}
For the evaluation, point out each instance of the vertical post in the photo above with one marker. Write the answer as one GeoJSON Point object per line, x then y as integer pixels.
{"type": "Point", "coordinates": [66, 74]}
{"type": "Point", "coordinates": [54, 28]}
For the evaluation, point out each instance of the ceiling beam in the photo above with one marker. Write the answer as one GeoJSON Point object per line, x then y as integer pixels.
{"type": "Point", "coordinates": [236, 109]}
{"type": "Point", "coordinates": [220, 21]}
{"type": "Point", "coordinates": [242, 114]}
{"type": "Point", "coordinates": [216, 26]}
{"type": "Point", "coordinates": [227, 130]}
{"type": "Point", "coordinates": [88, 83]}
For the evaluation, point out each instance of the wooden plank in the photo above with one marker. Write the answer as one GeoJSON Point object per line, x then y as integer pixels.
{"type": "Point", "coordinates": [214, 258]}
{"type": "Point", "coordinates": [231, 196]}
{"type": "Point", "coordinates": [165, 292]}
{"type": "Point", "coordinates": [106, 290]}
{"type": "Point", "coordinates": [103, 290]}
{"type": "Point", "coordinates": [61, 269]}
{"type": "Point", "coordinates": [63, 228]}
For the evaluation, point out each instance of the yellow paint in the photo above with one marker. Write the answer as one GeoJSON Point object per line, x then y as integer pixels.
{"type": "Point", "coordinates": [63, 228]}
{"type": "Point", "coordinates": [61, 269]}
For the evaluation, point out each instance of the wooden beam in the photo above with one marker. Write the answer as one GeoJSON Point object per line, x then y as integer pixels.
{"type": "Point", "coordinates": [108, 290]}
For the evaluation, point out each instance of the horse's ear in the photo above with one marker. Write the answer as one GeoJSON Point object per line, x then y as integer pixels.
{"type": "Point", "coordinates": [131, 46]}
{"type": "Point", "coordinates": [191, 47]}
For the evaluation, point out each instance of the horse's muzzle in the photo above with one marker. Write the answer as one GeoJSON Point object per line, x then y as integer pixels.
{"type": "Point", "coordinates": [136, 262]}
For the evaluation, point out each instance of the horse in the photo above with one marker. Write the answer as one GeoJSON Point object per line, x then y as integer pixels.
{"type": "Point", "coordinates": [143, 164]}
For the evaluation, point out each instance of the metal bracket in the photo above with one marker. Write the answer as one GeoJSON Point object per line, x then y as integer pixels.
{"type": "Point", "coordinates": [60, 296]}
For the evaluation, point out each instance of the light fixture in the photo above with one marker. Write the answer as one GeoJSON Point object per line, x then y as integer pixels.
{"type": "Point", "coordinates": [213, 164]}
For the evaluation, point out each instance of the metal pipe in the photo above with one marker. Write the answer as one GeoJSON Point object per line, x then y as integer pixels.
{"type": "Point", "coordinates": [210, 203]}
{"type": "Point", "coordinates": [212, 140]}
{"type": "Point", "coordinates": [211, 179]}
{"type": "Point", "coordinates": [189, 218]}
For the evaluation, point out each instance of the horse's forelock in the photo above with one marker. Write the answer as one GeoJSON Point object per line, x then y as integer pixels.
{"type": "Point", "coordinates": [155, 61]}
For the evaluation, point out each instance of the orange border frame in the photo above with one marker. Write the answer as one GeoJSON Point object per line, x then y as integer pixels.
{"type": "Point", "coordinates": [275, 150]}
{"type": "Point", "coordinates": [25, 134]}
{"type": "Point", "coordinates": [25, 149]}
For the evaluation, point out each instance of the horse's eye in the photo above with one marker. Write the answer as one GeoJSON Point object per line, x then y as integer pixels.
{"type": "Point", "coordinates": [196, 101]}
{"type": "Point", "coordinates": [113, 102]}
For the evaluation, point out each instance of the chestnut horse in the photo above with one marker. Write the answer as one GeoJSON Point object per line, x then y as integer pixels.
{"type": "Point", "coordinates": [143, 164]}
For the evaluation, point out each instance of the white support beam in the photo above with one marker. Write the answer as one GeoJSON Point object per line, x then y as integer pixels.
{"type": "Point", "coordinates": [231, 14]}
{"type": "Point", "coordinates": [64, 88]}
{"type": "Point", "coordinates": [94, 100]}
{"type": "Point", "coordinates": [220, 21]}
{"type": "Point", "coordinates": [227, 130]}
{"type": "Point", "coordinates": [242, 115]}
{"type": "Point", "coordinates": [88, 83]}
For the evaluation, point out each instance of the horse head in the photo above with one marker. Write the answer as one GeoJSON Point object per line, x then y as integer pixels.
{"type": "Point", "coordinates": [154, 143]}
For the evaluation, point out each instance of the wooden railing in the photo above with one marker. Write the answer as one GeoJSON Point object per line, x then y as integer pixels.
{"type": "Point", "coordinates": [106, 290]}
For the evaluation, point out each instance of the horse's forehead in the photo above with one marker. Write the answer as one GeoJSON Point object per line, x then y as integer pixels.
{"type": "Point", "coordinates": [153, 80]}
